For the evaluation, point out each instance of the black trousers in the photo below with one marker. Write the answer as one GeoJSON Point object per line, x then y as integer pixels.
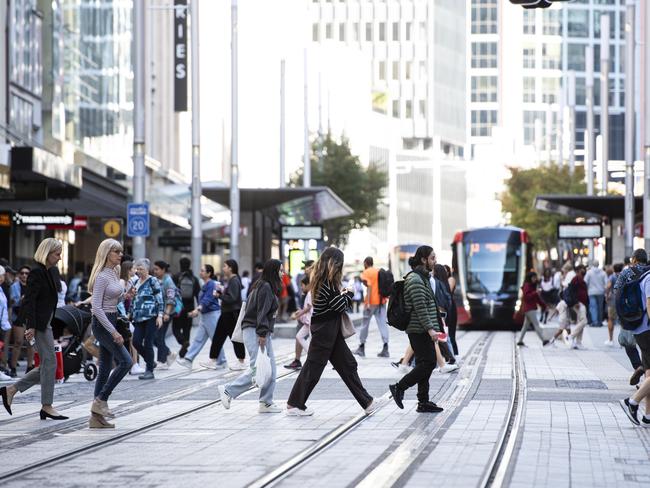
{"type": "Point", "coordinates": [425, 362]}
{"type": "Point", "coordinates": [452, 322]}
{"type": "Point", "coordinates": [182, 325]}
{"type": "Point", "coordinates": [225, 328]}
{"type": "Point", "coordinates": [327, 344]}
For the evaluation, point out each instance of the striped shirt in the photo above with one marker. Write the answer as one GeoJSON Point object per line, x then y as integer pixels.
{"type": "Point", "coordinates": [330, 302]}
{"type": "Point", "coordinates": [107, 292]}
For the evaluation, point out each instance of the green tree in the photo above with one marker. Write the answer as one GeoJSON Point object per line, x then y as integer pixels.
{"type": "Point", "coordinates": [360, 187]}
{"type": "Point", "coordinates": [524, 185]}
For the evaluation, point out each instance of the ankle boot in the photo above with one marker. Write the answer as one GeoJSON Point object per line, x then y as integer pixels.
{"type": "Point", "coordinates": [99, 422]}
{"type": "Point", "coordinates": [100, 407]}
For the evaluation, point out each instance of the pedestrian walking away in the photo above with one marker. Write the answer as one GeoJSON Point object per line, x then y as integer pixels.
{"type": "Point", "coordinates": [257, 328]}
{"type": "Point", "coordinates": [146, 314]}
{"type": "Point", "coordinates": [375, 306]}
{"type": "Point", "coordinates": [327, 342]}
{"type": "Point", "coordinates": [422, 330]}
{"type": "Point", "coordinates": [231, 303]}
{"type": "Point", "coordinates": [173, 305]}
{"type": "Point", "coordinates": [37, 310]}
{"type": "Point", "coordinates": [529, 303]}
{"type": "Point", "coordinates": [189, 288]}
{"type": "Point", "coordinates": [107, 292]}
{"type": "Point", "coordinates": [596, 280]}
{"type": "Point", "coordinates": [209, 310]}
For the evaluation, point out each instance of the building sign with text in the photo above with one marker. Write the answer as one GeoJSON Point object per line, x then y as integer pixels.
{"type": "Point", "coordinates": [180, 55]}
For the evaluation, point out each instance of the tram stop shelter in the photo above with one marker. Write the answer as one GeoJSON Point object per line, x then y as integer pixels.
{"type": "Point", "coordinates": [264, 211]}
{"type": "Point", "coordinates": [608, 209]}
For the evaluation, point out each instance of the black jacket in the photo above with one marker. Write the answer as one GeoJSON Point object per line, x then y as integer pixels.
{"type": "Point", "coordinates": [41, 297]}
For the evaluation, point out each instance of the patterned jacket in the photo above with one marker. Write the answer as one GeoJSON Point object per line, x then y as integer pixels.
{"type": "Point", "coordinates": [421, 302]}
{"type": "Point", "coordinates": [148, 301]}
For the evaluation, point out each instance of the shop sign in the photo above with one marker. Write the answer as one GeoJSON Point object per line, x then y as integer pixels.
{"type": "Point", "coordinates": [64, 219]}
{"type": "Point", "coordinates": [180, 55]}
{"type": "Point", "coordinates": [579, 231]}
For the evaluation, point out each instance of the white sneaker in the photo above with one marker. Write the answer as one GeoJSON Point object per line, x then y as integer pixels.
{"type": "Point", "coordinates": [296, 412]}
{"type": "Point", "coordinates": [186, 363]}
{"type": "Point", "coordinates": [238, 366]}
{"type": "Point", "coordinates": [221, 366]}
{"type": "Point", "coordinates": [448, 368]}
{"type": "Point", "coordinates": [170, 358]}
{"type": "Point", "coordinates": [372, 408]}
{"type": "Point", "coordinates": [137, 369]}
{"type": "Point", "coordinates": [4, 377]}
{"type": "Point", "coordinates": [609, 343]}
{"type": "Point", "coordinates": [209, 364]}
{"type": "Point", "coordinates": [404, 368]}
{"type": "Point", "coordinates": [225, 398]}
{"type": "Point", "coordinates": [162, 366]}
{"type": "Point", "coordinates": [269, 408]}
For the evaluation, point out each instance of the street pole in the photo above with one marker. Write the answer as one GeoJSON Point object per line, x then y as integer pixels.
{"type": "Point", "coordinates": [549, 134]}
{"type": "Point", "coordinates": [139, 250]}
{"type": "Point", "coordinates": [646, 118]}
{"type": "Point", "coordinates": [283, 181]}
{"type": "Point", "coordinates": [234, 150]}
{"type": "Point", "coordinates": [589, 135]}
{"type": "Point", "coordinates": [572, 121]}
{"type": "Point", "coordinates": [560, 124]}
{"type": "Point", "coordinates": [306, 175]}
{"type": "Point", "coordinates": [629, 127]}
{"type": "Point", "coordinates": [197, 232]}
{"type": "Point", "coordinates": [604, 99]}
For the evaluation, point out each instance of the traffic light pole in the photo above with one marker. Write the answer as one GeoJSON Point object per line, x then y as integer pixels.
{"type": "Point", "coordinates": [234, 151]}
{"type": "Point", "coordinates": [138, 126]}
{"type": "Point", "coordinates": [197, 231]}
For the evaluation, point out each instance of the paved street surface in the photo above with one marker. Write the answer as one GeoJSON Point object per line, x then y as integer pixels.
{"type": "Point", "coordinates": [566, 427]}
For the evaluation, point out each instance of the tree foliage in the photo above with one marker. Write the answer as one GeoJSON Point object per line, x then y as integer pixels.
{"type": "Point", "coordinates": [519, 199]}
{"type": "Point", "coordinates": [360, 187]}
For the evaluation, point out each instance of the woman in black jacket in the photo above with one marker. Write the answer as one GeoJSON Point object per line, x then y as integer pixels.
{"type": "Point", "coordinates": [327, 342]}
{"type": "Point", "coordinates": [36, 315]}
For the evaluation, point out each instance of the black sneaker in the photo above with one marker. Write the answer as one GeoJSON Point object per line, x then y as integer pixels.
{"type": "Point", "coordinates": [398, 395]}
{"type": "Point", "coordinates": [396, 364]}
{"type": "Point", "coordinates": [28, 369]}
{"type": "Point", "coordinates": [428, 407]}
{"type": "Point", "coordinates": [521, 343]}
{"type": "Point", "coordinates": [361, 351]}
{"type": "Point", "coordinates": [295, 365]}
{"type": "Point", "coordinates": [384, 352]}
{"type": "Point", "coordinates": [182, 351]}
{"type": "Point", "coordinates": [645, 422]}
{"type": "Point", "coordinates": [12, 372]}
{"type": "Point", "coordinates": [630, 410]}
{"type": "Point", "coordinates": [545, 343]}
{"type": "Point", "coordinates": [636, 376]}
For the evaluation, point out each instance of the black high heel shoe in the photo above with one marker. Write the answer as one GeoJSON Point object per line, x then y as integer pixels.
{"type": "Point", "coordinates": [44, 415]}
{"type": "Point", "coordinates": [5, 400]}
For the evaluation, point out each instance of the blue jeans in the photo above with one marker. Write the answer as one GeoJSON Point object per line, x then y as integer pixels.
{"type": "Point", "coordinates": [143, 339]}
{"type": "Point", "coordinates": [245, 380]}
{"type": "Point", "coordinates": [379, 312]}
{"type": "Point", "coordinates": [161, 345]}
{"type": "Point", "coordinates": [207, 326]}
{"type": "Point", "coordinates": [109, 351]}
{"type": "Point", "coordinates": [596, 303]}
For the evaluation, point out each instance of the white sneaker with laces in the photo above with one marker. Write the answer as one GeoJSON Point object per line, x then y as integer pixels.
{"type": "Point", "coordinates": [296, 412]}
{"type": "Point", "coordinates": [4, 377]}
{"type": "Point", "coordinates": [373, 407]}
{"type": "Point", "coordinates": [137, 369]}
{"type": "Point", "coordinates": [448, 368]}
{"type": "Point", "coordinates": [171, 357]}
{"type": "Point", "coordinates": [209, 364]}
{"type": "Point", "coordinates": [225, 398]}
{"type": "Point", "coordinates": [186, 363]}
{"type": "Point", "coordinates": [162, 366]}
{"type": "Point", "coordinates": [238, 366]}
{"type": "Point", "coordinates": [269, 408]}
{"type": "Point", "coordinates": [609, 343]}
{"type": "Point", "coordinates": [404, 368]}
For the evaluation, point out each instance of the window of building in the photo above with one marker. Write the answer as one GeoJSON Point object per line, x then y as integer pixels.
{"type": "Point", "coordinates": [408, 109]}
{"type": "Point", "coordinates": [484, 55]}
{"type": "Point", "coordinates": [529, 89]}
{"type": "Point", "coordinates": [342, 32]}
{"type": "Point", "coordinates": [396, 109]}
{"type": "Point", "coordinates": [484, 88]}
{"type": "Point", "coordinates": [409, 30]}
{"type": "Point", "coordinates": [482, 122]}
{"type": "Point", "coordinates": [315, 32]}
{"type": "Point", "coordinates": [423, 31]}
{"type": "Point", "coordinates": [552, 56]}
{"type": "Point", "coordinates": [395, 31]}
{"type": "Point", "coordinates": [529, 57]}
{"type": "Point", "coordinates": [529, 22]}
{"type": "Point", "coordinates": [382, 31]}
{"type": "Point", "coordinates": [576, 56]}
{"type": "Point", "coordinates": [612, 24]}
{"type": "Point", "coordinates": [578, 23]}
{"type": "Point", "coordinates": [408, 69]}
{"type": "Point", "coordinates": [396, 70]}
{"type": "Point", "coordinates": [355, 31]}
{"type": "Point", "coordinates": [484, 16]}
{"type": "Point", "coordinates": [382, 70]}
{"type": "Point", "coordinates": [423, 109]}
{"type": "Point", "coordinates": [26, 66]}
{"type": "Point", "coordinates": [529, 124]}
{"type": "Point", "coordinates": [550, 90]}
{"type": "Point", "coordinates": [552, 22]}
{"type": "Point", "coordinates": [329, 31]}
{"type": "Point", "coordinates": [422, 70]}
{"type": "Point", "coordinates": [369, 31]}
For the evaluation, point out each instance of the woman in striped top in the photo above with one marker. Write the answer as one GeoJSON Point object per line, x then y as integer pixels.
{"type": "Point", "coordinates": [327, 343]}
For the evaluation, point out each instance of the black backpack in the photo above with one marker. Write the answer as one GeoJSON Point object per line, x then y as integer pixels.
{"type": "Point", "coordinates": [570, 294]}
{"type": "Point", "coordinates": [630, 303]}
{"type": "Point", "coordinates": [397, 314]}
{"type": "Point", "coordinates": [386, 281]}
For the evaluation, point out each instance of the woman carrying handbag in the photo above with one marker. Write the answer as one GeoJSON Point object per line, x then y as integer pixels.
{"type": "Point", "coordinates": [328, 337]}
{"type": "Point", "coordinates": [36, 315]}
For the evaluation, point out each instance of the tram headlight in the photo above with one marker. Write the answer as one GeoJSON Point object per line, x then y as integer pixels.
{"type": "Point", "coordinates": [466, 304]}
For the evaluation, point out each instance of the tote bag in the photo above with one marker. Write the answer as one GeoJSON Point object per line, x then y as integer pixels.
{"type": "Point", "coordinates": [237, 335]}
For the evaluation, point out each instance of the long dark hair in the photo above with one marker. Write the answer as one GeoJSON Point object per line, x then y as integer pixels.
{"type": "Point", "coordinates": [271, 275]}
{"type": "Point", "coordinates": [210, 270]}
{"type": "Point", "coordinates": [529, 277]}
{"type": "Point", "coordinates": [329, 267]}
{"type": "Point", "coordinates": [232, 264]}
{"type": "Point", "coordinates": [422, 252]}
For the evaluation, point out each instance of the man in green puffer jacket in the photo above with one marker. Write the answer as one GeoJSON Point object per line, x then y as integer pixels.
{"type": "Point", "coordinates": [423, 329]}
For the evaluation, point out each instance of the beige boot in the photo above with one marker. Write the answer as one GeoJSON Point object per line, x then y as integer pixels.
{"type": "Point", "coordinates": [100, 407]}
{"type": "Point", "coordinates": [99, 422]}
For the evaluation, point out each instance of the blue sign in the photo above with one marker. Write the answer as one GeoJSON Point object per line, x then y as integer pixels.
{"type": "Point", "coordinates": [137, 220]}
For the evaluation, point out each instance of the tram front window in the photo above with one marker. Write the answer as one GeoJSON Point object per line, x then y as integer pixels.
{"type": "Point", "coordinates": [492, 266]}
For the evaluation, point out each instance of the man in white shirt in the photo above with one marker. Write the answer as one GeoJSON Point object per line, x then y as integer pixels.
{"type": "Point", "coordinates": [596, 280]}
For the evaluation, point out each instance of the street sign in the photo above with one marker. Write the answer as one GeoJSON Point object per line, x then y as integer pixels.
{"type": "Point", "coordinates": [137, 223]}
{"type": "Point", "coordinates": [295, 232]}
{"type": "Point", "coordinates": [579, 231]}
{"type": "Point", "coordinates": [112, 228]}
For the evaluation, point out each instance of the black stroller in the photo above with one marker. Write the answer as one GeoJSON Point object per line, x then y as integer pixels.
{"type": "Point", "coordinates": [69, 325]}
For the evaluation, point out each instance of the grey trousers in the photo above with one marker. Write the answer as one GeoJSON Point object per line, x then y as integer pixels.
{"type": "Point", "coordinates": [46, 371]}
{"type": "Point", "coordinates": [531, 318]}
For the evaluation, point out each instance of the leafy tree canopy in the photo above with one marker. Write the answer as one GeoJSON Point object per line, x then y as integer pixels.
{"type": "Point", "coordinates": [360, 187]}
{"type": "Point", "coordinates": [519, 199]}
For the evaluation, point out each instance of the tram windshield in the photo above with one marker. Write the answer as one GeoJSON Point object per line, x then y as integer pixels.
{"type": "Point", "coordinates": [492, 258]}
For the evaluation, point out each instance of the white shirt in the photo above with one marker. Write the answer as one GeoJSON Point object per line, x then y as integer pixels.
{"type": "Point", "coordinates": [596, 280]}
{"type": "Point", "coordinates": [568, 278]}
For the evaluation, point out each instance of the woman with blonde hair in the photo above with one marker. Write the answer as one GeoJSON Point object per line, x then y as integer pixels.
{"type": "Point", "coordinates": [107, 291]}
{"type": "Point", "coordinates": [36, 313]}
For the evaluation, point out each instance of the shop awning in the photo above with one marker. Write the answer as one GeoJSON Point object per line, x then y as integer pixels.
{"type": "Point", "coordinates": [37, 173]}
{"type": "Point", "coordinates": [291, 206]}
{"type": "Point", "coordinates": [576, 206]}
